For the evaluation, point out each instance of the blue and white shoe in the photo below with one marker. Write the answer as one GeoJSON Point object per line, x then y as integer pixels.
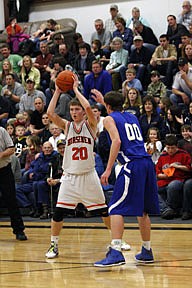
{"type": "Point", "coordinates": [146, 256]}
{"type": "Point", "coordinates": [113, 258]}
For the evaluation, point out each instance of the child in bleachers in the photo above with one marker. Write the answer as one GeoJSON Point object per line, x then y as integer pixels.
{"type": "Point", "coordinates": [20, 141]}
{"type": "Point", "coordinates": [153, 145]}
{"type": "Point", "coordinates": [186, 142]}
{"type": "Point", "coordinates": [131, 81]}
{"type": "Point", "coordinates": [11, 130]}
{"type": "Point", "coordinates": [156, 88]}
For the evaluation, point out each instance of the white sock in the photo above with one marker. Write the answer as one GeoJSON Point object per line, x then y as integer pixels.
{"type": "Point", "coordinates": [147, 245]}
{"type": "Point", "coordinates": [116, 244]}
{"type": "Point", "coordinates": [55, 239]}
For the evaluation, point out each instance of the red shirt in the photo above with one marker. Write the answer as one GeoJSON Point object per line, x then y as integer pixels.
{"type": "Point", "coordinates": [17, 29]}
{"type": "Point", "coordinates": [181, 157]}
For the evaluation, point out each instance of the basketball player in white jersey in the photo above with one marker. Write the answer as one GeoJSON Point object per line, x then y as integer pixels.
{"type": "Point", "coordinates": [80, 182]}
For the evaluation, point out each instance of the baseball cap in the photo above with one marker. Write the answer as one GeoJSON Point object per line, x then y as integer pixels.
{"type": "Point", "coordinates": [61, 141]}
{"type": "Point", "coordinates": [155, 73]}
{"type": "Point", "coordinates": [182, 61]}
{"type": "Point", "coordinates": [138, 37]}
{"type": "Point", "coordinates": [114, 6]}
{"type": "Point", "coordinates": [30, 80]}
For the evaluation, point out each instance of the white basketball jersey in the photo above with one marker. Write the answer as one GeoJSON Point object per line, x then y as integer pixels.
{"type": "Point", "coordinates": [78, 156]}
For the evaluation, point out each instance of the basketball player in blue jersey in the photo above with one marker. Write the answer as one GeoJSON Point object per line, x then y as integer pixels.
{"type": "Point", "coordinates": [135, 190]}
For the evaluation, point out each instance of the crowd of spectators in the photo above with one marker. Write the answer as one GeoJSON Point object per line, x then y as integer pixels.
{"type": "Point", "coordinates": [154, 75]}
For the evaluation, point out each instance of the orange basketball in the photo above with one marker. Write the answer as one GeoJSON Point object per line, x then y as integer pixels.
{"type": "Point", "coordinates": [65, 80]}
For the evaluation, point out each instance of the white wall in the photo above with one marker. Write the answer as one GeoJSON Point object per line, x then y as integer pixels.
{"type": "Point", "coordinates": [85, 12]}
{"type": "Point", "coordinates": [2, 15]}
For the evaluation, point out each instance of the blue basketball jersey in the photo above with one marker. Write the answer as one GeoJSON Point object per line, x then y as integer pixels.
{"type": "Point", "coordinates": [132, 144]}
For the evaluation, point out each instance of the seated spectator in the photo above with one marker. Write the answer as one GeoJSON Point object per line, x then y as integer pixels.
{"type": "Point", "coordinates": [175, 30]}
{"type": "Point", "coordinates": [6, 70]}
{"type": "Point", "coordinates": [139, 59]}
{"type": "Point", "coordinates": [83, 62]}
{"type": "Point", "coordinates": [36, 125]}
{"type": "Point", "coordinates": [15, 59]}
{"type": "Point", "coordinates": [136, 16]}
{"type": "Point", "coordinates": [186, 142]}
{"type": "Point", "coordinates": [30, 154]}
{"type": "Point", "coordinates": [45, 134]}
{"type": "Point", "coordinates": [41, 63]}
{"type": "Point", "coordinates": [182, 84]}
{"type": "Point", "coordinates": [78, 38]}
{"type": "Point", "coordinates": [131, 81]}
{"type": "Point", "coordinates": [11, 130]}
{"type": "Point", "coordinates": [164, 60]}
{"type": "Point", "coordinates": [172, 169]}
{"type": "Point", "coordinates": [173, 121]}
{"type": "Point", "coordinates": [97, 112]}
{"type": "Point", "coordinates": [44, 33]}
{"type": "Point", "coordinates": [185, 17]}
{"type": "Point", "coordinates": [65, 56]}
{"type": "Point", "coordinates": [110, 22]}
{"type": "Point", "coordinates": [15, 34]}
{"type": "Point", "coordinates": [35, 193]}
{"type": "Point", "coordinates": [156, 88]}
{"type": "Point", "coordinates": [150, 118]}
{"type": "Point", "coordinates": [4, 110]}
{"type": "Point", "coordinates": [20, 141]}
{"type": "Point", "coordinates": [12, 91]}
{"type": "Point", "coordinates": [133, 102]}
{"type": "Point", "coordinates": [164, 105]}
{"type": "Point", "coordinates": [187, 115]}
{"type": "Point", "coordinates": [124, 33]}
{"type": "Point", "coordinates": [145, 32]}
{"type": "Point", "coordinates": [21, 120]}
{"type": "Point", "coordinates": [97, 51]}
{"type": "Point", "coordinates": [153, 145]}
{"type": "Point", "coordinates": [118, 59]}
{"type": "Point", "coordinates": [101, 34]}
{"type": "Point", "coordinates": [185, 39]}
{"type": "Point", "coordinates": [29, 71]}
{"type": "Point", "coordinates": [58, 39]}
{"type": "Point", "coordinates": [56, 135]}
{"type": "Point", "coordinates": [98, 79]}
{"type": "Point", "coordinates": [187, 53]}
{"type": "Point", "coordinates": [27, 100]}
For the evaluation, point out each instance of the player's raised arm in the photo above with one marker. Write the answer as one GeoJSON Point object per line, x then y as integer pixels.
{"type": "Point", "coordinates": [85, 103]}
{"type": "Point", "coordinates": [56, 119]}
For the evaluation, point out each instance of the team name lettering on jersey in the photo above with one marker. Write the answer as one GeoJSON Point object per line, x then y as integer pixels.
{"type": "Point", "coordinates": [79, 139]}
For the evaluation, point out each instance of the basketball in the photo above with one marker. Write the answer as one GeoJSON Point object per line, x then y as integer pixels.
{"type": "Point", "coordinates": [65, 80]}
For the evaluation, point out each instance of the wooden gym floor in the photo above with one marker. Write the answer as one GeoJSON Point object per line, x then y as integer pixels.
{"type": "Point", "coordinates": [22, 264]}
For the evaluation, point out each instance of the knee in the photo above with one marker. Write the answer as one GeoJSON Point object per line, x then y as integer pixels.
{"type": "Point", "coordinates": [58, 214]}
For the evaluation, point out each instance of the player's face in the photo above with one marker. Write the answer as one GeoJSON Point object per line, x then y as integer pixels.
{"type": "Point", "coordinates": [77, 113]}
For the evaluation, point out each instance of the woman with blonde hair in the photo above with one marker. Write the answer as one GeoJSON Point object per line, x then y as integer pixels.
{"type": "Point", "coordinates": [133, 102]}
{"type": "Point", "coordinates": [28, 71]}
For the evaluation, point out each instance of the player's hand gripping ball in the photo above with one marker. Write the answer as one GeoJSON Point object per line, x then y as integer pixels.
{"type": "Point", "coordinates": [65, 80]}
